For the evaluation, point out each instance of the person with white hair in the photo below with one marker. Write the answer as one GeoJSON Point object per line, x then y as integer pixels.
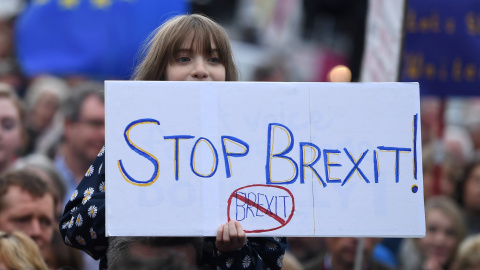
{"type": "Point", "coordinates": [43, 99]}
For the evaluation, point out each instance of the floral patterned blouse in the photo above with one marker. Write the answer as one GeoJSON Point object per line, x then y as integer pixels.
{"type": "Point", "coordinates": [83, 227]}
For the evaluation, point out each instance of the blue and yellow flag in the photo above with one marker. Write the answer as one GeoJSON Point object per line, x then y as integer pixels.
{"type": "Point", "coordinates": [95, 38]}
{"type": "Point", "coordinates": [442, 47]}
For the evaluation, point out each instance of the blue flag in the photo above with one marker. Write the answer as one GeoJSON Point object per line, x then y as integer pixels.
{"type": "Point", "coordinates": [100, 39]}
{"type": "Point", "coordinates": [442, 47]}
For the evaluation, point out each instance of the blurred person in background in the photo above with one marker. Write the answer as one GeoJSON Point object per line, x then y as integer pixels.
{"type": "Point", "coordinates": [57, 254]}
{"type": "Point", "coordinates": [84, 134]}
{"type": "Point", "coordinates": [274, 69]}
{"type": "Point", "coordinates": [468, 256]}
{"type": "Point", "coordinates": [150, 253]}
{"type": "Point", "coordinates": [18, 251]}
{"type": "Point", "coordinates": [9, 69]}
{"type": "Point", "coordinates": [458, 142]}
{"type": "Point", "coordinates": [430, 119]}
{"type": "Point", "coordinates": [44, 168]}
{"type": "Point", "coordinates": [306, 248]}
{"type": "Point", "coordinates": [27, 205]}
{"type": "Point", "coordinates": [449, 175]}
{"type": "Point", "coordinates": [12, 132]}
{"type": "Point", "coordinates": [290, 262]}
{"type": "Point", "coordinates": [472, 123]}
{"type": "Point", "coordinates": [445, 229]}
{"type": "Point", "coordinates": [341, 253]}
{"type": "Point", "coordinates": [83, 138]}
{"type": "Point", "coordinates": [469, 196]}
{"type": "Point", "coordinates": [43, 99]}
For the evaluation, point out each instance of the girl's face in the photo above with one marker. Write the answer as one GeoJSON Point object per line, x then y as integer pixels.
{"type": "Point", "coordinates": [440, 241]}
{"type": "Point", "coordinates": [10, 131]}
{"type": "Point", "coordinates": [471, 191]}
{"type": "Point", "coordinates": [194, 65]}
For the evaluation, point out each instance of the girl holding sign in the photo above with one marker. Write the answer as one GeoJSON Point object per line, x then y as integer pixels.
{"type": "Point", "coordinates": [185, 48]}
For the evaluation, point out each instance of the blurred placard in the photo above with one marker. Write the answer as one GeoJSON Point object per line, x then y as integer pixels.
{"type": "Point", "coordinates": [442, 47]}
{"type": "Point", "coordinates": [383, 41]}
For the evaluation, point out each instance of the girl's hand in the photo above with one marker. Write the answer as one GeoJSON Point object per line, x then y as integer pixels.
{"type": "Point", "coordinates": [230, 237]}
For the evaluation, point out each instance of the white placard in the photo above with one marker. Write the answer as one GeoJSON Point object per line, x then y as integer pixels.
{"type": "Point", "coordinates": [285, 159]}
{"type": "Point", "coordinates": [383, 41]}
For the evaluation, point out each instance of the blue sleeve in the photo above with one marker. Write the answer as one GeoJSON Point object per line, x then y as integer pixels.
{"type": "Point", "coordinates": [83, 222]}
{"type": "Point", "coordinates": [258, 253]}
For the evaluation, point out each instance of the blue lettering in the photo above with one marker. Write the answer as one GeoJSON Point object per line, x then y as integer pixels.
{"type": "Point", "coordinates": [397, 151]}
{"type": "Point", "coordinates": [326, 161]}
{"type": "Point", "coordinates": [355, 166]}
{"type": "Point", "coordinates": [282, 155]}
{"type": "Point", "coordinates": [259, 204]}
{"type": "Point", "coordinates": [142, 153]}
{"type": "Point", "coordinates": [241, 206]}
{"type": "Point", "coordinates": [249, 206]}
{"type": "Point", "coordinates": [215, 158]}
{"type": "Point", "coordinates": [227, 155]}
{"type": "Point", "coordinates": [310, 164]}
{"type": "Point", "coordinates": [284, 205]}
{"type": "Point", "coordinates": [177, 139]}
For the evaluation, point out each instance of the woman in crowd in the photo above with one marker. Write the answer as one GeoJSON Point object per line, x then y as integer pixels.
{"type": "Point", "coordinates": [449, 173]}
{"type": "Point", "coordinates": [445, 229]}
{"type": "Point", "coordinates": [12, 133]}
{"type": "Point", "coordinates": [43, 99]}
{"type": "Point", "coordinates": [469, 196]}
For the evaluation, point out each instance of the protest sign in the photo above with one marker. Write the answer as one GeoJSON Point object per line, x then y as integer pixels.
{"type": "Point", "coordinates": [383, 41]}
{"type": "Point", "coordinates": [285, 159]}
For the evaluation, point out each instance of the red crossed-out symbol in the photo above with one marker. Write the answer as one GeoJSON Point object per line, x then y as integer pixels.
{"type": "Point", "coordinates": [267, 212]}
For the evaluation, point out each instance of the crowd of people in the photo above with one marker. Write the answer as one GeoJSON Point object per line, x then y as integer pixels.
{"type": "Point", "coordinates": [52, 129]}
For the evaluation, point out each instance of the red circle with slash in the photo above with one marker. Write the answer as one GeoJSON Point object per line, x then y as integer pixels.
{"type": "Point", "coordinates": [282, 222]}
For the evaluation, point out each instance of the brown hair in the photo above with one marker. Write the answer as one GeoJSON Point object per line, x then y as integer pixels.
{"type": "Point", "coordinates": [25, 180]}
{"type": "Point", "coordinates": [7, 92]}
{"type": "Point", "coordinates": [452, 210]}
{"type": "Point", "coordinates": [466, 174]}
{"type": "Point", "coordinates": [18, 251]}
{"type": "Point", "coordinates": [468, 255]}
{"type": "Point", "coordinates": [170, 36]}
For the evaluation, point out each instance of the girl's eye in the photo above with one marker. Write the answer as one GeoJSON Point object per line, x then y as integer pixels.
{"type": "Point", "coordinates": [8, 124]}
{"type": "Point", "coordinates": [183, 59]}
{"type": "Point", "coordinates": [214, 60]}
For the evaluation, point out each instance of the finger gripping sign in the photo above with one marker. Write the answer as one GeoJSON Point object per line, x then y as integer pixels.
{"type": "Point", "coordinates": [283, 159]}
{"type": "Point", "coordinates": [261, 202]}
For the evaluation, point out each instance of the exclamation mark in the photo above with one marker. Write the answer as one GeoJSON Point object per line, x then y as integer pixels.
{"type": "Point", "coordinates": [415, 124]}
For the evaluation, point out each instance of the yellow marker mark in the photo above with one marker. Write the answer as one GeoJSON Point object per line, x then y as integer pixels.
{"type": "Point", "coordinates": [213, 153]}
{"type": "Point", "coordinates": [378, 164]}
{"type": "Point", "coordinates": [328, 162]}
